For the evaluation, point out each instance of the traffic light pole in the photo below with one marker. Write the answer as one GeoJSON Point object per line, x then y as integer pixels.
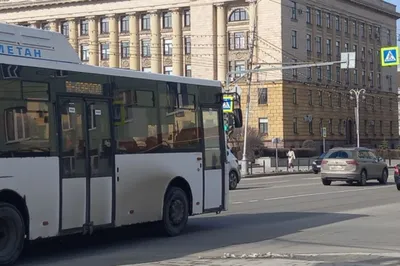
{"type": "Point", "coordinates": [260, 70]}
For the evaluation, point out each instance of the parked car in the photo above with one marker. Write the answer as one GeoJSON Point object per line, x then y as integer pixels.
{"type": "Point", "coordinates": [353, 165]}
{"type": "Point", "coordinates": [233, 169]}
{"type": "Point", "coordinates": [316, 164]}
{"type": "Point", "coordinates": [396, 176]}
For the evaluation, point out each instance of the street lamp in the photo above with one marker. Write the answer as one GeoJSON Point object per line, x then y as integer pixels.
{"type": "Point", "coordinates": [357, 93]}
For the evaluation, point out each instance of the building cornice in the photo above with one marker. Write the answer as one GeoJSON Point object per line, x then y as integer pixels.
{"type": "Point", "coordinates": [375, 8]}
{"type": "Point", "coordinates": [20, 4]}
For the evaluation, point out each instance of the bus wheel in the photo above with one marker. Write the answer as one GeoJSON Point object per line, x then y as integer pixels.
{"type": "Point", "coordinates": [12, 234]}
{"type": "Point", "coordinates": [175, 211]}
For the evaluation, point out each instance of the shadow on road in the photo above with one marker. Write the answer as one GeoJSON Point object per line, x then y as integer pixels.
{"type": "Point", "coordinates": [369, 262]}
{"type": "Point", "coordinates": [138, 244]}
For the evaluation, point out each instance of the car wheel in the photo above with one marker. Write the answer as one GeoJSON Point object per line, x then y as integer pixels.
{"type": "Point", "coordinates": [363, 178]}
{"type": "Point", "coordinates": [12, 229]}
{"type": "Point", "coordinates": [175, 211]}
{"type": "Point", "coordinates": [384, 177]}
{"type": "Point", "coordinates": [316, 172]}
{"type": "Point", "coordinates": [326, 182]}
{"type": "Point", "coordinates": [233, 180]}
{"type": "Point", "coordinates": [349, 182]}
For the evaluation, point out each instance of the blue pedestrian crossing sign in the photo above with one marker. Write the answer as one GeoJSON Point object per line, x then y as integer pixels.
{"type": "Point", "coordinates": [227, 104]}
{"type": "Point", "coordinates": [390, 56]}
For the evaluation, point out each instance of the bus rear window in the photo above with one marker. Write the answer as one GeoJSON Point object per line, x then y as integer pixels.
{"type": "Point", "coordinates": [339, 154]}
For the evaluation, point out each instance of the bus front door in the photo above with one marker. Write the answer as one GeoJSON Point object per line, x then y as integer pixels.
{"type": "Point", "coordinates": [86, 163]}
{"type": "Point", "coordinates": [214, 162]}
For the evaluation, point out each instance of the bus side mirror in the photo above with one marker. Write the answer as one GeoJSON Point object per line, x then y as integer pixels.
{"type": "Point", "coordinates": [238, 118]}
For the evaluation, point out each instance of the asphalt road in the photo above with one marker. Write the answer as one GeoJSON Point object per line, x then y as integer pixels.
{"type": "Point", "coordinates": [291, 215]}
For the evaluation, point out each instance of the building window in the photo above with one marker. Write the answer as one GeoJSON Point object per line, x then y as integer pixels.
{"type": "Point", "coordinates": [362, 30]}
{"type": "Point", "coordinates": [310, 100]}
{"type": "Point", "coordinates": [239, 14]}
{"type": "Point", "coordinates": [295, 131]}
{"type": "Point", "coordinates": [346, 47]}
{"type": "Point", "coordinates": [84, 27]}
{"type": "Point", "coordinates": [378, 79]}
{"type": "Point", "coordinates": [308, 15]}
{"type": "Point", "coordinates": [328, 20]}
{"type": "Point", "coordinates": [318, 42]}
{"type": "Point", "coordinates": [330, 126]}
{"type": "Point", "coordinates": [308, 43]}
{"type": "Point", "coordinates": [309, 73]}
{"type": "Point", "coordinates": [146, 48]}
{"type": "Point", "coordinates": [124, 24]}
{"type": "Point", "coordinates": [318, 15]}
{"type": "Point", "coordinates": [294, 39]}
{"type": "Point", "coordinates": [84, 49]}
{"type": "Point", "coordinates": [321, 125]}
{"type": "Point", "coordinates": [337, 45]}
{"type": "Point", "coordinates": [146, 69]}
{"type": "Point", "coordinates": [390, 104]}
{"type": "Point", "coordinates": [381, 127]}
{"type": "Point", "coordinates": [328, 46]}
{"type": "Point", "coordinates": [188, 70]}
{"type": "Point", "coordinates": [363, 78]}
{"type": "Point", "coordinates": [168, 70]}
{"type": "Point", "coordinates": [355, 77]}
{"type": "Point", "coordinates": [346, 25]}
{"type": "Point", "coordinates": [104, 26]}
{"type": "Point", "coordinates": [188, 45]}
{"type": "Point", "coordinates": [263, 96]}
{"type": "Point", "coordinates": [294, 70]}
{"type": "Point", "coordinates": [294, 10]}
{"type": "Point", "coordinates": [330, 100]}
{"type": "Point", "coordinates": [329, 73]}
{"type": "Point", "coordinates": [337, 23]}
{"type": "Point", "coordinates": [294, 95]}
{"type": "Point", "coordinates": [340, 125]}
{"type": "Point", "coordinates": [366, 127]}
{"type": "Point", "coordinates": [391, 127]}
{"type": "Point", "coordinates": [45, 26]}
{"type": "Point", "coordinates": [145, 22]}
{"type": "Point", "coordinates": [310, 127]}
{"type": "Point", "coordinates": [320, 98]}
{"type": "Point", "coordinates": [168, 47]}
{"type": "Point", "coordinates": [186, 18]}
{"type": "Point", "coordinates": [339, 99]}
{"type": "Point", "coordinates": [237, 66]}
{"type": "Point", "coordinates": [105, 51]}
{"type": "Point", "coordinates": [355, 31]}
{"type": "Point", "coordinates": [238, 41]}
{"type": "Point", "coordinates": [167, 20]}
{"type": "Point", "coordinates": [388, 36]}
{"type": "Point", "coordinates": [346, 76]}
{"type": "Point", "coordinates": [263, 125]}
{"type": "Point", "coordinates": [338, 72]}
{"type": "Point", "coordinates": [125, 49]}
{"type": "Point", "coordinates": [65, 28]}
{"type": "Point", "coordinates": [319, 73]}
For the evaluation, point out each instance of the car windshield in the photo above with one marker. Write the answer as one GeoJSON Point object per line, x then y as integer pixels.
{"type": "Point", "coordinates": [339, 154]}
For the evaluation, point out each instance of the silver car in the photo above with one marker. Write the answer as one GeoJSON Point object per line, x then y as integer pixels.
{"type": "Point", "coordinates": [353, 165]}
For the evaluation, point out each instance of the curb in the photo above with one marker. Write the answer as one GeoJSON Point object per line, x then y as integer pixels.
{"type": "Point", "coordinates": [278, 174]}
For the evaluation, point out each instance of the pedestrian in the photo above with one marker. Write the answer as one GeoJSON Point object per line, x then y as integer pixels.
{"type": "Point", "coordinates": [291, 157]}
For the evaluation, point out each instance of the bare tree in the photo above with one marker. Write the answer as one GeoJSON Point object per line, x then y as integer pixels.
{"type": "Point", "coordinates": [255, 143]}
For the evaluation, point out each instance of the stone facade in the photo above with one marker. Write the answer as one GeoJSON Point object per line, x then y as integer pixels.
{"type": "Point", "coordinates": [208, 38]}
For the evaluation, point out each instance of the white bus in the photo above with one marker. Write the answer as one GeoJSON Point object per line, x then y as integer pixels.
{"type": "Point", "coordinates": [84, 147]}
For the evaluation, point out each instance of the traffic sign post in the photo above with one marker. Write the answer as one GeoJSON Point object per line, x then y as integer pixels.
{"type": "Point", "coordinates": [390, 56]}
{"type": "Point", "coordinates": [276, 141]}
{"type": "Point", "coordinates": [323, 138]}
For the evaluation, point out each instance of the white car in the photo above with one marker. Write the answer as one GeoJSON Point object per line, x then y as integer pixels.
{"type": "Point", "coordinates": [233, 169]}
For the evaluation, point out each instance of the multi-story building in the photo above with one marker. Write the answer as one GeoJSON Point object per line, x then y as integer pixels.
{"type": "Point", "coordinates": [208, 38]}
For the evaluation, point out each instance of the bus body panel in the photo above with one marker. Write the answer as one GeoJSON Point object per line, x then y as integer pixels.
{"type": "Point", "coordinates": [135, 202]}
{"type": "Point", "coordinates": [37, 180]}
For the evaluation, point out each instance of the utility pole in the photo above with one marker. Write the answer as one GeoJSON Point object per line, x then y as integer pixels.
{"type": "Point", "coordinates": [357, 93]}
{"type": "Point", "coordinates": [244, 164]}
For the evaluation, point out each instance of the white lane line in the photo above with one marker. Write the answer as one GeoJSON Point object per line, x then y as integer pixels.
{"type": "Point", "coordinates": [312, 178]}
{"type": "Point", "coordinates": [309, 195]}
{"type": "Point", "coordinates": [266, 183]}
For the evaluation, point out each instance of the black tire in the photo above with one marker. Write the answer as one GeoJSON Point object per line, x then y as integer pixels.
{"type": "Point", "coordinates": [349, 182]}
{"type": "Point", "coordinates": [316, 172]}
{"type": "Point", "coordinates": [176, 204]}
{"type": "Point", "coordinates": [398, 186]}
{"type": "Point", "coordinates": [326, 182]}
{"type": "Point", "coordinates": [384, 177]}
{"type": "Point", "coordinates": [12, 234]}
{"type": "Point", "coordinates": [363, 178]}
{"type": "Point", "coordinates": [233, 180]}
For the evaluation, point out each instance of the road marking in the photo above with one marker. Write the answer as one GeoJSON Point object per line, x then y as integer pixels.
{"type": "Point", "coordinates": [274, 176]}
{"type": "Point", "coordinates": [247, 189]}
{"type": "Point", "coordinates": [297, 185]}
{"type": "Point", "coordinates": [266, 183]}
{"type": "Point", "coordinates": [324, 193]}
{"type": "Point", "coordinates": [309, 195]}
{"type": "Point", "coordinates": [312, 178]}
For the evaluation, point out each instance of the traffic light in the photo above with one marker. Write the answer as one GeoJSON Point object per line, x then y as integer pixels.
{"type": "Point", "coordinates": [228, 122]}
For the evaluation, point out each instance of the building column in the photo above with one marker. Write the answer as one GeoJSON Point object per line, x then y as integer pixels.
{"type": "Point", "coordinates": [114, 41]}
{"type": "Point", "coordinates": [93, 41]}
{"type": "Point", "coordinates": [134, 47]}
{"type": "Point", "coordinates": [222, 48]}
{"type": "Point", "coordinates": [155, 48]}
{"type": "Point", "coordinates": [73, 33]}
{"type": "Point", "coordinates": [53, 25]}
{"type": "Point", "coordinates": [177, 47]}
